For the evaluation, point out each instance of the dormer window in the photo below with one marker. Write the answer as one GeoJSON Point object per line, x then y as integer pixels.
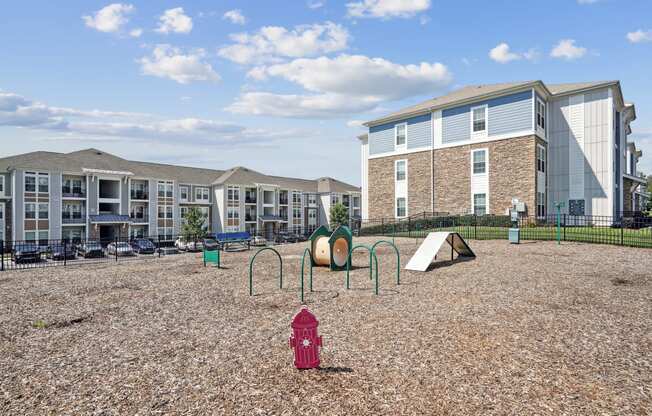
{"type": "Point", "coordinates": [479, 120]}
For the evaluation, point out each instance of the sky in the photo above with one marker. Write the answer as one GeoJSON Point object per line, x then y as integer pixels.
{"type": "Point", "coordinates": [283, 86]}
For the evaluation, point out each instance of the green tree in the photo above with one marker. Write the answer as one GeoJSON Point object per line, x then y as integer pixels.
{"type": "Point", "coordinates": [194, 224]}
{"type": "Point", "coordinates": [339, 215]}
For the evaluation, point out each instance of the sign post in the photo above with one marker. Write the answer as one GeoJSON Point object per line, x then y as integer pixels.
{"type": "Point", "coordinates": [559, 206]}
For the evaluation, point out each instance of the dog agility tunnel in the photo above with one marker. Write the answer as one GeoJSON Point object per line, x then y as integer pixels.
{"type": "Point", "coordinates": [331, 249]}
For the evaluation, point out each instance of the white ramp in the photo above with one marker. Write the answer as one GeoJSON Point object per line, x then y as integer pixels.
{"type": "Point", "coordinates": [430, 247]}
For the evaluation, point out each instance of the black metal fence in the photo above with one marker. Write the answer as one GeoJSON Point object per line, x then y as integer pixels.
{"type": "Point", "coordinates": [634, 231]}
{"type": "Point", "coordinates": [22, 254]}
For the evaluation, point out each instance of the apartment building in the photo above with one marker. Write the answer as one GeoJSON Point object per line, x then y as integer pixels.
{"type": "Point", "coordinates": [481, 148]}
{"type": "Point", "coordinates": [91, 194]}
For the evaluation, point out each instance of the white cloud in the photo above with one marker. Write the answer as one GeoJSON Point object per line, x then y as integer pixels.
{"type": "Point", "coordinates": [503, 54]}
{"type": "Point", "coordinates": [109, 19]}
{"type": "Point", "coordinates": [640, 36]}
{"type": "Point", "coordinates": [359, 75]}
{"type": "Point", "coordinates": [235, 16]}
{"type": "Point", "coordinates": [299, 106]}
{"type": "Point", "coordinates": [340, 86]}
{"type": "Point", "coordinates": [271, 43]}
{"type": "Point", "coordinates": [566, 49]}
{"type": "Point", "coordinates": [69, 124]}
{"type": "Point", "coordinates": [587, 1]}
{"type": "Point", "coordinates": [136, 33]}
{"type": "Point", "coordinates": [356, 124]}
{"type": "Point", "coordinates": [315, 4]}
{"type": "Point", "coordinates": [386, 9]}
{"type": "Point", "coordinates": [170, 62]}
{"type": "Point", "coordinates": [174, 21]}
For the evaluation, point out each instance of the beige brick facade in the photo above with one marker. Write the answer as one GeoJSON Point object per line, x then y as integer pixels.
{"type": "Point", "coordinates": [512, 174]}
{"type": "Point", "coordinates": [381, 184]}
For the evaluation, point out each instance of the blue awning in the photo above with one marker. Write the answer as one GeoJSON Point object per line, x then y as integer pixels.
{"type": "Point", "coordinates": [109, 219]}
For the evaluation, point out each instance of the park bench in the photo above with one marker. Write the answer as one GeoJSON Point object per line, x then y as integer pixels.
{"type": "Point", "coordinates": [240, 239]}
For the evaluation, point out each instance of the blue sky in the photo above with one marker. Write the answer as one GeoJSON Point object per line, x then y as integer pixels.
{"type": "Point", "coordinates": [281, 87]}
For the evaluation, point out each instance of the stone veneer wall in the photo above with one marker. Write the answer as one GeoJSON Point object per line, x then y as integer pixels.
{"type": "Point", "coordinates": [381, 184]}
{"type": "Point", "coordinates": [512, 174]}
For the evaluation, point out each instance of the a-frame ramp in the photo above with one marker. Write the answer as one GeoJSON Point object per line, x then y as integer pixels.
{"type": "Point", "coordinates": [429, 248]}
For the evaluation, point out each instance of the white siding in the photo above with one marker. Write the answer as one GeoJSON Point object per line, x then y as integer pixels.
{"type": "Point", "coordinates": [364, 175]}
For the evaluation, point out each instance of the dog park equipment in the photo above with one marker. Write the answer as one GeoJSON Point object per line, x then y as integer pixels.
{"type": "Point", "coordinates": [373, 256]}
{"type": "Point", "coordinates": [251, 269]}
{"type": "Point", "coordinates": [241, 239]}
{"type": "Point", "coordinates": [558, 207]}
{"type": "Point", "coordinates": [211, 256]}
{"type": "Point", "coordinates": [428, 250]}
{"type": "Point", "coordinates": [305, 340]}
{"type": "Point", "coordinates": [331, 249]}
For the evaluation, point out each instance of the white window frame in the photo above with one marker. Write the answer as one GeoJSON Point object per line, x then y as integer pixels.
{"type": "Point", "coordinates": [486, 161]}
{"type": "Point", "coordinates": [541, 150]}
{"type": "Point", "coordinates": [2, 220]}
{"type": "Point", "coordinates": [486, 202]}
{"type": "Point", "coordinates": [202, 194]}
{"type": "Point", "coordinates": [35, 211]}
{"type": "Point", "coordinates": [404, 145]}
{"type": "Point", "coordinates": [396, 163]}
{"type": "Point", "coordinates": [2, 185]}
{"type": "Point", "coordinates": [169, 209]}
{"type": "Point", "coordinates": [396, 207]}
{"type": "Point", "coordinates": [542, 204]}
{"type": "Point", "coordinates": [30, 175]}
{"type": "Point", "coordinates": [181, 191]}
{"type": "Point", "coordinates": [481, 133]}
{"type": "Point", "coordinates": [160, 210]}
{"type": "Point", "coordinates": [543, 115]}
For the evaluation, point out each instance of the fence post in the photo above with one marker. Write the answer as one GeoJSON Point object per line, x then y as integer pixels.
{"type": "Point", "coordinates": [158, 245]}
{"type": "Point", "coordinates": [65, 252]}
{"type": "Point", "coordinates": [382, 226]}
{"type": "Point", "coordinates": [622, 232]}
{"type": "Point", "coordinates": [475, 226]}
{"type": "Point", "coordinates": [409, 226]}
{"type": "Point", "coordinates": [565, 219]}
{"type": "Point", "coordinates": [2, 255]}
{"type": "Point", "coordinates": [116, 249]}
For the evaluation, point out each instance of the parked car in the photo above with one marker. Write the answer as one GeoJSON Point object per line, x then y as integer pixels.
{"type": "Point", "coordinates": [188, 245]}
{"type": "Point", "coordinates": [300, 237]}
{"type": "Point", "coordinates": [285, 237]}
{"type": "Point", "coordinates": [119, 249]}
{"type": "Point", "coordinates": [143, 246]}
{"type": "Point", "coordinates": [61, 252]}
{"type": "Point", "coordinates": [258, 241]}
{"type": "Point", "coordinates": [26, 252]}
{"type": "Point", "coordinates": [210, 244]}
{"type": "Point", "coordinates": [90, 249]}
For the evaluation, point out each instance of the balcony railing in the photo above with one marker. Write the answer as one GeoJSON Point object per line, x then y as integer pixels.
{"type": "Point", "coordinates": [140, 195]}
{"type": "Point", "coordinates": [76, 218]}
{"type": "Point", "coordinates": [250, 200]}
{"type": "Point", "coordinates": [283, 201]}
{"type": "Point", "coordinates": [139, 218]}
{"type": "Point", "coordinates": [73, 192]}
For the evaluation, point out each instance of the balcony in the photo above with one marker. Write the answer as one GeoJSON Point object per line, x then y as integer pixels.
{"type": "Point", "coordinates": [283, 201]}
{"type": "Point", "coordinates": [139, 218]}
{"type": "Point", "coordinates": [68, 192]}
{"type": "Point", "coordinates": [250, 199]}
{"type": "Point", "coordinates": [139, 195]}
{"type": "Point", "coordinates": [73, 218]}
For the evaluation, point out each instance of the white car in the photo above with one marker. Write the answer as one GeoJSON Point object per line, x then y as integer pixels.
{"type": "Point", "coordinates": [184, 245]}
{"type": "Point", "coordinates": [122, 249]}
{"type": "Point", "coordinates": [258, 241]}
{"type": "Point", "coordinates": [180, 244]}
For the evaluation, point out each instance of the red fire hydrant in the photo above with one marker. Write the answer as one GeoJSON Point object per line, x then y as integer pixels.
{"type": "Point", "coordinates": [305, 340]}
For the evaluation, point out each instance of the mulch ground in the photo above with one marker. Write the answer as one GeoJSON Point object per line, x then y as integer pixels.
{"type": "Point", "coordinates": [533, 329]}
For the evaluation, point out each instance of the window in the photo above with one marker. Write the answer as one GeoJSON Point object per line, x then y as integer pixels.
{"type": "Point", "coordinates": [169, 213]}
{"type": "Point", "coordinates": [400, 135]}
{"type": "Point", "coordinates": [183, 193]}
{"type": "Point", "coordinates": [2, 185]}
{"type": "Point", "coordinates": [401, 209]}
{"type": "Point", "coordinates": [541, 114]}
{"type": "Point", "coordinates": [169, 189]}
{"type": "Point", "coordinates": [165, 189]}
{"type": "Point", "coordinates": [201, 194]}
{"type": "Point", "coordinates": [161, 212]}
{"type": "Point", "coordinates": [479, 162]}
{"type": "Point", "coordinates": [541, 159]}
{"type": "Point", "coordinates": [30, 182]}
{"type": "Point", "coordinates": [2, 213]}
{"type": "Point", "coordinates": [30, 235]}
{"type": "Point", "coordinates": [161, 190]}
{"type": "Point", "coordinates": [541, 204]}
{"type": "Point", "coordinates": [30, 211]}
{"type": "Point", "coordinates": [233, 194]}
{"type": "Point", "coordinates": [479, 204]}
{"type": "Point", "coordinates": [400, 169]}
{"type": "Point", "coordinates": [183, 212]}
{"type": "Point", "coordinates": [43, 183]}
{"type": "Point", "coordinates": [43, 237]}
{"type": "Point", "coordinates": [233, 217]}
{"type": "Point", "coordinates": [312, 216]}
{"type": "Point", "coordinates": [296, 198]}
{"type": "Point", "coordinates": [335, 199]}
{"type": "Point", "coordinates": [479, 119]}
{"type": "Point", "coordinates": [312, 199]}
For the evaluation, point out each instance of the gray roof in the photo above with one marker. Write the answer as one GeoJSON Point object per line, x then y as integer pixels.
{"type": "Point", "coordinates": [475, 92]}
{"type": "Point", "coordinates": [96, 159]}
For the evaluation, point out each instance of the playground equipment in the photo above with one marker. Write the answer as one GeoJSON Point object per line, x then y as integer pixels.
{"type": "Point", "coordinates": [251, 269]}
{"type": "Point", "coordinates": [374, 257]}
{"type": "Point", "coordinates": [212, 256]}
{"type": "Point", "coordinates": [331, 249]}
{"type": "Point", "coordinates": [428, 250]}
{"type": "Point", "coordinates": [303, 262]}
{"type": "Point", "coordinates": [304, 340]}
